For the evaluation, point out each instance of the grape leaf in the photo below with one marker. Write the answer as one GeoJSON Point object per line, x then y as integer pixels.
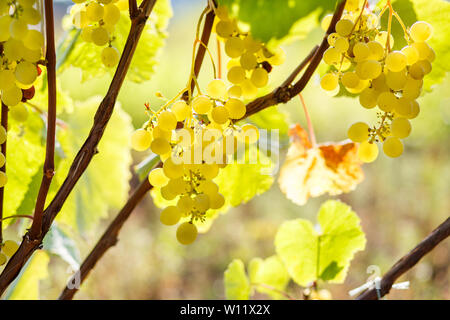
{"type": "Point", "coordinates": [87, 56]}
{"type": "Point", "coordinates": [26, 286]}
{"type": "Point", "coordinates": [270, 19]}
{"type": "Point", "coordinates": [325, 254]}
{"type": "Point", "coordinates": [271, 118]}
{"type": "Point", "coordinates": [270, 272]}
{"type": "Point", "coordinates": [59, 243]}
{"type": "Point", "coordinates": [237, 285]}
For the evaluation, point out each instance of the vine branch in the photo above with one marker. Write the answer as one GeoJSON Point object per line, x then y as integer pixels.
{"type": "Point", "coordinates": [86, 152]}
{"type": "Point", "coordinates": [4, 124]}
{"type": "Point", "coordinates": [49, 163]}
{"type": "Point", "coordinates": [132, 6]}
{"type": "Point", "coordinates": [409, 260]}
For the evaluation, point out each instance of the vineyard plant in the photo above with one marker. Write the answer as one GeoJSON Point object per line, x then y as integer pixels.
{"type": "Point", "coordinates": [224, 149]}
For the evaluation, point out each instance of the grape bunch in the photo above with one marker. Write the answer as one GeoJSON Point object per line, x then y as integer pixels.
{"type": "Point", "coordinates": [97, 20]}
{"type": "Point", "coordinates": [362, 60]}
{"type": "Point", "coordinates": [21, 50]}
{"type": "Point", "coordinates": [250, 61]}
{"type": "Point", "coordinates": [7, 249]}
{"type": "Point", "coordinates": [194, 139]}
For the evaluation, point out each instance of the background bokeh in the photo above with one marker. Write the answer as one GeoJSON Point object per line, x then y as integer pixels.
{"type": "Point", "coordinates": [399, 202]}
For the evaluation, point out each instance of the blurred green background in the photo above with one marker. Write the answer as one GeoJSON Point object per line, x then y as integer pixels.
{"type": "Point", "coordinates": [399, 202]}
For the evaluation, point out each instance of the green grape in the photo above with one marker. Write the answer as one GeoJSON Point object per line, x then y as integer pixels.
{"type": "Point", "coordinates": [181, 110]}
{"type": "Point", "coordinates": [415, 110]}
{"type": "Point", "coordinates": [421, 31]}
{"type": "Point", "coordinates": [19, 112]}
{"type": "Point", "coordinates": [209, 171]}
{"type": "Point", "coordinates": [236, 75]}
{"type": "Point", "coordinates": [404, 107]}
{"type": "Point", "coordinates": [235, 91]}
{"type": "Point", "coordinates": [248, 89]}
{"type": "Point", "coordinates": [361, 51]}
{"type": "Point", "coordinates": [350, 80]}
{"type": "Point", "coordinates": [367, 152]}
{"type": "Point", "coordinates": [167, 120]}
{"type": "Point", "coordinates": [3, 259]}
{"type": "Point", "coordinates": [341, 44]}
{"type": "Point", "coordinates": [31, 16]}
{"type": "Point", "coordinates": [18, 29]}
{"type": "Point", "coordinates": [278, 57]}
{"type": "Point", "coordinates": [368, 98]}
{"type": "Point", "coordinates": [5, 22]}
{"type": "Point", "coordinates": [202, 105]}
{"type": "Point", "coordinates": [396, 80]}
{"type": "Point", "coordinates": [12, 49]}
{"type": "Point", "coordinates": [400, 128]}
{"type": "Point", "coordinates": [186, 233]}
{"type": "Point", "coordinates": [160, 146]}
{"type": "Point", "coordinates": [141, 140]}
{"type": "Point", "coordinates": [387, 101]}
{"type": "Point", "coordinates": [201, 202]}
{"type": "Point", "coordinates": [225, 29]}
{"type": "Point", "coordinates": [220, 115]}
{"type": "Point", "coordinates": [259, 77]}
{"type": "Point", "coordinates": [358, 132]}
{"type": "Point", "coordinates": [248, 61]}
{"type": "Point", "coordinates": [2, 160]}
{"type": "Point", "coordinates": [110, 56]}
{"type": "Point", "coordinates": [172, 170]}
{"type": "Point", "coordinates": [376, 50]}
{"type": "Point", "coordinates": [216, 200]}
{"type": "Point", "coordinates": [185, 204]}
{"type": "Point", "coordinates": [411, 53]}
{"type": "Point", "coordinates": [416, 71]}
{"type": "Point", "coordinates": [157, 178]}
{"type": "Point", "coordinates": [2, 136]}
{"type": "Point", "coordinates": [12, 97]}
{"type": "Point", "coordinates": [251, 45]}
{"type": "Point", "coordinates": [161, 133]}
{"type": "Point", "coordinates": [217, 89]}
{"type": "Point", "coordinates": [94, 11]}
{"type": "Point", "coordinates": [112, 14]}
{"type": "Point", "coordinates": [234, 47]}
{"type": "Point", "coordinates": [26, 72]}
{"type": "Point", "coordinates": [332, 56]}
{"type": "Point", "coordinates": [100, 36]}
{"type": "Point", "coordinates": [369, 69]}
{"type": "Point", "coordinates": [393, 147]}
{"type": "Point", "coordinates": [325, 23]}
{"type": "Point", "coordinates": [236, 108]}
{"type": "Point", "coordinates": [34, 40]}
{"type": "Point", "coordinates": [10, 247]}
{"type": "Point", "coordinates": [329, 81]}
{"type": "Point", "coordinates": [344, 27]}
{"type": "Point", "coordinates": [3, 179]}
{"type": "Point", "coordinates": [426, 66]}
{"type": "Point", "coordinates": [396, 61]}
{"type": "Point", "coordinates": [7, 79]}
{"type": "Point", "coordinates": [170, 216]}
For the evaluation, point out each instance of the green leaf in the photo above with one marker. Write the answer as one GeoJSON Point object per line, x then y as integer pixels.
{"type": "Point", "coordinates": [271, 118]}
{"type": "Point", "coordinates": [26, 287]}
{"type": "Point", "coordinates": [87, 56]}
{"type": "Point", "coordinates": [309, 254]}
{"type": "Point", "coordinates": [59, 243]}
{"type": "Point", "coordinates": [270, 272]}
{"type": "Point", "coordinates": [270, 19]}
{"type": "Point", "coordinates": [237, 286]}
{"type": "Point", "coordinates": [104, 185]}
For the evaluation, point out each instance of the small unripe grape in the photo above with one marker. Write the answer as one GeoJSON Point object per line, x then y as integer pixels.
{"type": "Point", "coordinates": [393, 147]}
{"type": "Point", "coordinates": [396, 61]}
{"type": "Point", "coordinates": [350, 80]}
{"type": "Point", "coordinates": [141, 140]}
{"type": "Point", "coordinates": [186, 233]}
{"type": "Point", "coordinates": [202, 104]}
{"type": "Point", "coordinates": [217, 89]}
{"type": "Point", "coordinates": [157, 178]}
{"type": "Point", "coordinates": [329, 81]}
{"type": "Point", "coordinates": [259, 77]}
{"type": "Point", "coordinates": [387, 101]}
{"type": "Point", "coordinates": [400, 128]}
{"type": "Point", "coordinates": [344, 27]}
{"type": "Point", "coordinates": [421, 31]}
{"type": "Point", "coordinates": [110, 56]}
{"type": "Point", "coordinates": [170, 216]}
{"type": "Point", "coordinates": [236, 108]}
{"type": "Point", "coordinates": [358, 132]}
{"type": "Point", "coordinates": [94, 11]}
{"type": "Point", "coordinates": [220, 115]}
{"type": "Point", "coordinates": [10, 247]}
{"type": "Point", "coordinates": [234, 47]}
{"type": "Point", "coordinates": [181, 110]}
{"type": "Point", "coordinates": [367, 152]}
{"type": "Point", "coordinates": [222, 13]}
{"type": "Point", "coordinates": [160, 146]}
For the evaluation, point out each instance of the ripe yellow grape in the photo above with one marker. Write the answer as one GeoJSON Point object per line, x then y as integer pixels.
{"type": "Point", "coordinates": [201, 202]}
{"type": "Point", "coordinates": [157, 178]}
{"type": "Point", "coordinates": [368, 98]}
{"type": "Point", "coordinates": [332, 38]}
{"type": "Point", "coordinates": [220, 115]}
{"type": "Point", "coordinates": [12, 96]}
{"type": "Point", "coordinates": [248, 88]}
{"type": "Point", "coordinates": [344, 27]}
{"type": "Point", "coordinates": [10, 247]}
{"type": "Point", "coordinates": [94, 11]}
{"type": "Point", "coordinates": [167, 194]}
{"type": "Point", "coordinates": [259, 77]}
{"type": "Point", "coordinates": [216, 200]}
{"type": "Point", "coordinates": [400, 128]}
{"type": "Point", "coordinates": [396, 61]}
{"type": "Point", "coordinates": [325, 23]}
{"type": "Point", "coordinates": [5, 22]}
{"type": "Point", "coordinates": [341, 44]}
{"type": "Point", "coordinates": [376, 50]}
{"type": "Point", "coordinates": [185, 204]}
{"type": "Point", "coordinates": [12, 49]}
{"type": "Point", "coordinates": [112, 14]}
{"type": "Point", "coordinates": [207, 187]}
{"type": "Point", "coordinates": [248, 61]}
{"type": "Point", "coordinates": [2, 160]}
{"type": "Point", "coordinates": [411, 53]}
{"type": "Point", "coordinates": [186, 233]}
{"type": "Point", "coordinates": [278, 57]}
{"type": "Point", "coordinates": [426, 66]}
{"type": "Point", "coordinates": [34, 40]}
{"type": "Point", "coordinates": [379, 83]}
{"type": "Point", "coordinates": [235, 91]}
{"type": "Point", "coordinates": [251, 45]}
{"type": "Point", "coordinates": [3, 179]}
{"type": "Point", "coordinates": [236, 75]}
{"type": "Point", "coordinates": [350, 80]}
{"type": "Point", "coordinates": [141, 140]}
{"type": "Point", "coordinates": [236, 108]}
{"type": "Point", "coordinates": [369, 69]}
{"type": "Point", "coordinates": [7, 79]}
{"type": "Point", "coordinates": [2, 136]}
{"type": "Point", "coordinates": [404, 107]}
{"type": "Point", "coordinates": [100, 36]}
{"type": "Point", "coordinates": [19, 112]}
{"type": "Point", "coordinates": [412, 88]}
{"type": "Point", "coordinates": [358, 132]}
{"type": "Point", "coordinates": [332, 56]}
{"type": "Point", "coordinates": [172, 170]}
{"type": "Point", "coordinates": [421, 31]}
{"type": "Point", "coordinates": [217, 89]}
{"type": "Point", "coordinates": [31, 55]}
{"type": "Point", "coordinates": [202, 104]}
{"type": "Point", "coordinates": [160, 146]}
{"type": "Point", "coordinates": [177, 186]}
{"type": "Point", "coordinates": [234, 47]}
{"type": "Point", "coordinates": [225, 29]}
{"type": "Point", "coordinates": [80, 19]}
{"type": "Point", "coordinates": [361, 51]}
{"type": "Point", "coordinates": [393, 147]}
{"type": "Point", "coordinates": [110, 56]}
{"type": "Point", "coordinates": [415, 110]}
{"type": "Point", "coordinates": [209, 171]}
{"type": "Point", "coordinates": [167, 120]}
{"type": "Point", "coordinates": [18, 29]}
{"type": "Point", "coordinates": [170, 216]}
{"type": "Point", "coordinates": [181, 110]}
{"type": "Point", "coordinates": [367, 152]}
{"type": "Point", "coordinates": [26, 72]}
{"type": "Point", "coordinates": [26, 3]}
{"type": "Point", "coordinates": [387, 101]}
{"type": "Point", "coordinates": [416, 71]}
{"type": "Point", "coordinates": [31, 16]}
{"type": "Point", "coordinates": [329, 81]}
{"type": "Point", "coordinates": [158, 132]}
{"type": "Point", "coordinates": [396, 80]}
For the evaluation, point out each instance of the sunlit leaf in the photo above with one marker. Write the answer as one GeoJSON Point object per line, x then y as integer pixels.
{"type": "Point", "coordinates": [268, 276]}
{"type": "Point", "coordinates": [237, 286]}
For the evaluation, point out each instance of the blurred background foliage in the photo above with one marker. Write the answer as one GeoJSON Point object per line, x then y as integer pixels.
{"type": "Point", "coordinates": [399, 202]}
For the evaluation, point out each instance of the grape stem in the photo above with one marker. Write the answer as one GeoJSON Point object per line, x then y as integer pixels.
{"type": "Point", "coordinates": [312, 136]}
{"type": "Point", "coordinates": [17, 216]}
{"type": "Point", "coordinates": [4, 124]}
{"type": "Point", "coordinates": [219, 59]}
{"type": "Point", "coordinates": [388, 38]}
{"type": "Point", "coordinates": [267, 286]}
{"type": "Point", "coordinates": [359, 17]}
